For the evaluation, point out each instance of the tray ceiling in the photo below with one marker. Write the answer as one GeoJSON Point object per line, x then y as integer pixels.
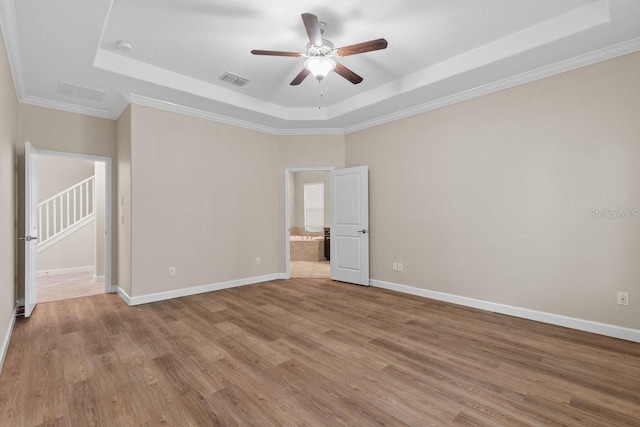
{"type": "Point", "coordinates": [439, 52]}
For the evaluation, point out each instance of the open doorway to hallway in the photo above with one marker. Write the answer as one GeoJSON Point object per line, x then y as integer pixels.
{"type": "Point", "coordinates": [71, 222]}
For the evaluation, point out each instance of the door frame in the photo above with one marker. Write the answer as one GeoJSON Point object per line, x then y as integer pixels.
{"type": "Point", "coordinates": [287, 211]}
{"type": "Point", "coordinates": [108, 207]}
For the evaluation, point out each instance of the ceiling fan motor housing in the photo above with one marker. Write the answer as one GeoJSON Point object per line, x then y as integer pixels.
{"type": "Point", "coordinates": [321, 52]}
{"type": "Point", "coordinates": [326, 49]}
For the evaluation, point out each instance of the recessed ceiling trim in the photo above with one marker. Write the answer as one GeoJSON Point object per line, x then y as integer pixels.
{"type": "Point", "coordinates": [611, 52]}
{"type": "Point", "coordinates": [580, 61]}
{"type": "Point", "coordinates": [71, 108]}
{"type": "Point", "coordinates": [591, 58]}
{"type": "Point", "coordinates": [125, 66]}
{"type": "Point", "coordinates": [194, 112]}
{"type": "Point", "coordinates": [598, 10]}
{"type": "Point", "coordinates": [556, 28]}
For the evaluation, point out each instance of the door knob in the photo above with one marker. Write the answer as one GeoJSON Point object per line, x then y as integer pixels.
{"type": "Point", "coordinates": [363, 231]}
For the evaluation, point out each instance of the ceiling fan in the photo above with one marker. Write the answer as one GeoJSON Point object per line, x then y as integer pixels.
{"type": "Point", "coordinates": [321, 53]}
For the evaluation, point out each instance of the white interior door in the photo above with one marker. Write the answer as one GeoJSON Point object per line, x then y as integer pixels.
{"type": "Point", "coordinates": [350, 225]}
{"type": "Point", "coordinates": [30, 228]}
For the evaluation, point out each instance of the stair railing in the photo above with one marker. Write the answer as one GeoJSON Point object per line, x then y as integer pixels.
{"type": "Point", "coordinates": [66, 210]}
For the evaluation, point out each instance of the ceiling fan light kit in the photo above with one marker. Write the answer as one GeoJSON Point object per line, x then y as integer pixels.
{"type": "Point", "coordinates": [320, 66]}
{"type": "Point", "coordinates": [320, 53]}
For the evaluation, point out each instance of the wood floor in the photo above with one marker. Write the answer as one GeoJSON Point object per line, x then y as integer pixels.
{"type": "Point", "coordinates": [70, 285]}
{"type": "Point", "coordinates": [309, 353]}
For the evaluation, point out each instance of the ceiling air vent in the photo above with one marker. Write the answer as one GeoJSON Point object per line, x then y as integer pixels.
{"type": "Point", "coordinates": [76, 91]}
{"type": "Point", "coordinates": [233, 79]}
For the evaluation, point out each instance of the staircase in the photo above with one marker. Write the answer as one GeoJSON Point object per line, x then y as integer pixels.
{"type": "Point", "coordinates": [66, 212]}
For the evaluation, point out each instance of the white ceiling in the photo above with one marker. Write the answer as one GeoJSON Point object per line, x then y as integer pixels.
{"type": "Point", "coordinates": [440, 51]}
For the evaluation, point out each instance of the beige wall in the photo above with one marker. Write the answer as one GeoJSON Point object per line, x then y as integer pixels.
{"type": "Point", "coordinates": [56, 174]}
{"type": "Point", "coordinates": [74, 251]}
{"type": "Point", "coordinates": [55, 130]}
{"type": "Point", "coordinates": [8, 116]}
{"type": "Point", "coordinates": [49, 129]}
{"type": "Point", "coordinates": [216, 211]}
{"type": "Point", "coordinates": [122, 202]}
{"type": "Point", "coordinates": [203, 202]}
{"type": "Point", "coordinates": [491, 198]}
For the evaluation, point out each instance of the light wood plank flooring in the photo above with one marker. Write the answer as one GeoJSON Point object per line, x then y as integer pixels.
{"type": "Point", "coordinates": [69, 285]}
{"type": "Point", "coordinates": [309, 353]}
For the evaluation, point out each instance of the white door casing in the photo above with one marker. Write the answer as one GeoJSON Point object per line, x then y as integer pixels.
{"type": "Point", "coordinates": [30, 228]}
{"type": "Point", "coordinates": [350, 225]}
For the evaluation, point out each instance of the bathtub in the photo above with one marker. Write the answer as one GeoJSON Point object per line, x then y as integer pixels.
{"type": "Point", "coordinates": [307, 248]}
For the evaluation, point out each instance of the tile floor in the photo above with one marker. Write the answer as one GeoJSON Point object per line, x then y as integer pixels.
{"type": "Point", "coordinates": [310, 269]}
{"type": "Point", "coordinates": [66, 286]}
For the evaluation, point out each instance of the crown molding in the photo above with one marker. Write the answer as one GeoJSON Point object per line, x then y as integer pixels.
{"type": "Point", "coordinates": [10, 34]}
{"type": "Point", "coordinates": [201, 114]}
{"type": "Point", "coordinates": [309, 131]}
{"type": "Point", "coordinates": [120, 106]}
{"type": "Point", "coordinates": [71, 108]}
{"type": "Point", "coordinates": [194, 112]}
{"type": "Point", "coordinates": [580, 61]}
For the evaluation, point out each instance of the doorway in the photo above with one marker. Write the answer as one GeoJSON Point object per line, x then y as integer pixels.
{"type": "Point", "coordinates": [72, 212]}
{"type": "Point", "coordinates": [307, 217]}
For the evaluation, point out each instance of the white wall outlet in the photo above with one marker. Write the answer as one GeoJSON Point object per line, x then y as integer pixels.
{"type": "Point", "coordinates": [258, 260]}
{"type": "Point", "coordinates": [623, 298]}
{"type": "Point", "coordinates": [400, 267]}
{"type": "Point", "coordinates": [395, 266]}
{"type": "Point", "coordinates": [172, 271]}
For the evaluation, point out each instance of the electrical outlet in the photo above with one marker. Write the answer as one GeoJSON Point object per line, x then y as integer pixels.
{"type": "Point", "coordinates": [172, 271]}
{"type": "Point", "coordinates": [623, 298]}
{"type": "Point", "coordinates": [395, 266]}
{"type": "Point", "coordinates": [400, 267]}
{"type": "Point", "coordinates": [258, 260]}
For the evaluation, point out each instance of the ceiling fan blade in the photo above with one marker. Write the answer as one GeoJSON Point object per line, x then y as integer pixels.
{"type": "Point", "coordinates": [300, 77]}
{"type": "Point", "coordinates": [362, 47]}
{"type": "Point", "coordinates": [313, 28]}
{"type": "Point", "coordinates": [275, 53]}
{"type": "Point", "coordinates": [348, 74]}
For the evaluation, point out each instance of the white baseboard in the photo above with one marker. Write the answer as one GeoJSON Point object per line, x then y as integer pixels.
{"type": "Point", "coordinates": [177, 293]}
{"type": "Point", "coordinates": [98, 278]}
{"type": "Point", "coordinates": [125, 296]}
{"type": "Point", "coordinates": [87, 268]}
{"type": "Point", "coordinates": [7, 337]}
{"type": "Point", "coordinates": [524, 313]}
